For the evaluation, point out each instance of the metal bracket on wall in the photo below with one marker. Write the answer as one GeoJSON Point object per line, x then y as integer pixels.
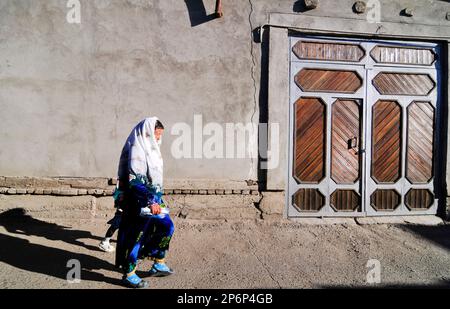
{"type": "Point", "coordinates": [219, 12]}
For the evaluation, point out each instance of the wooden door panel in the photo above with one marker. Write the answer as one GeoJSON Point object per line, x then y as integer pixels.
{"type": "Point", "coordinates": [420, 142]}
{"type": "Point", "coordinates": [309, 150]}
{"type": "Point", "coordinates": [403, 55]}
{"type": "Point", "coordinates": [345, 200]}
{"type": "Point", "coordinates": [339, 81]}
{"type": "Point", "coordinates": [419, 199]}
{"type": "Point", "coordinates": [385, 200]}
{"type": "Point", "coordinates": [403, 83]}
{"type": "Point", "coordinates": [386, 141]}
{"type": "Point", "coordinates": [345, 131]}
{"type": "Point", "coordinates": [328, 51]}
{"type": "Point", "coordinates": [308, 200]}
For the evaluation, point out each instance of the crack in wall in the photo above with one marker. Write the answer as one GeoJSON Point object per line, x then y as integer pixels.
{"type": "Point", "coordinates": [258, 208]}
{"type": "Point", "coordinates": [255, 89]}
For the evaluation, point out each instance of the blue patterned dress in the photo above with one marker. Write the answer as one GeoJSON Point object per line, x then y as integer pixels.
{"type": "Point", "coordinates": [142, 236]}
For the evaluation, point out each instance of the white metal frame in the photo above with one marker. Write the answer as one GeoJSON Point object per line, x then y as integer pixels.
{"type": "Point", "coordinates": [367, 95]}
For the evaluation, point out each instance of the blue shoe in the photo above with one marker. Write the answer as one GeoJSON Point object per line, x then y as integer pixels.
{"type": "Point", "coordinates": [160, 270]}
{"type": "Point", "coordinates": [134, 281]}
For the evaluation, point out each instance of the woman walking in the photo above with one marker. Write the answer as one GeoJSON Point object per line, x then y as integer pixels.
{"type": "Point", "coordinates": [146, 228]}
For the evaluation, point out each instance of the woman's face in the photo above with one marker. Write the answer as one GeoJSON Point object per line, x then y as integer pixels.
{"type": "Point", "coordinates": [158, 134]}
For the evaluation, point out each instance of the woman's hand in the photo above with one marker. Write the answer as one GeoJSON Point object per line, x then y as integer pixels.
{"type": "Point", "coordinates": [155, 208]}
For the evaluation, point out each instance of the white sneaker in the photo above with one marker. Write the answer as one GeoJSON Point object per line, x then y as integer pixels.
{"type": "Point", "coordinates": [106, 246]}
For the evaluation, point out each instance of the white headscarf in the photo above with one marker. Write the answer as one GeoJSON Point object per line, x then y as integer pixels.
{"type": "Point", "coordinates": [141, 154]}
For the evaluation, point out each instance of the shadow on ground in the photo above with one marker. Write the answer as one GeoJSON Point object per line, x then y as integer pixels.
{"type": "Point", "coordinates": [17, 221]}
{"type": "Point", "coordinates": [442, 284]}
{"type": "Point", "coordinates": [49, 261]}
{"type": "Point", "coordinates": [440, 234]}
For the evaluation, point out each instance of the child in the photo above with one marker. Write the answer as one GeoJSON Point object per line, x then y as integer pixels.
{"type": "Point", "coordinates": [115, 221]}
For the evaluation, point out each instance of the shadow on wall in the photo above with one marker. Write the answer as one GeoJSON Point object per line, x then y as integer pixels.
{"type": "Point", "coordinates": [22, 254]}
{"type": "Point", "coordinates": [197, 12]}
{"type": "Point", "coordinates": [299, 7]}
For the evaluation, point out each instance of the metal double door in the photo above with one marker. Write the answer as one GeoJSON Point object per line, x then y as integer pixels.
{"type": "Point", "coordinates": [362, 128]}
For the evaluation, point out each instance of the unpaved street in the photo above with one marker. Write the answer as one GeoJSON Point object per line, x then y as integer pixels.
{"type": "Point", "coordinates": [34, 254]}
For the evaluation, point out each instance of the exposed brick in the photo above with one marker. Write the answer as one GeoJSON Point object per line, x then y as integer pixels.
{"type": "Point", "coordinates": [3, 190]}
{"type": "Point", "coordinates": [227, 192]}
{"type": "Point", "coordinates": [67, 192]}
{"type": "Point", "coordinates": [82, 192]}
{"type": "Point", "coordinates": [254, 192]}
{"type": "Point", "coordinates": [91, 191]}
{"type": "Point", "coordinates": [30, 190]}
{"type": "Point", "coordinates": [237, 191]}
{"type": "Point", "coordinates": [11, 191]}
{"type": "Point", "coordinates": [56, 191]}
{"type": "Point", "coordinates": [23, 182]}
{"type": "Point", "coordinates": [176, 191]}
{"type": "Point", "coordinates": [84, 183]}
{"type": "Point", "coordinates": [202, 192]}
{"type": "Point", "coordinates": [211, 192]}
{"type": "Point", "coordinates": [185, 191]}
{"type": "Point", "coordinates": [246, 192]}
{"type": "Point", "coordinates": [220, 191]}
{"type": "Point", "coordinates": [21, 191]}
{"type": "Point", "coordinates": [39, 191]}
{"type": "Point", "coordinates": [47, 191]}
{"type": "Point", "coordinates": [108, 192]}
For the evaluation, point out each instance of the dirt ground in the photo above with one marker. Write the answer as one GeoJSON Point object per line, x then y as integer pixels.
{"type": "Point", "coordinates": [253, 254]}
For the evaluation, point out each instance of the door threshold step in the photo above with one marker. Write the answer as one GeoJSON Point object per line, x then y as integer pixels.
{"type": "Point", "coordinates": [430, 220]}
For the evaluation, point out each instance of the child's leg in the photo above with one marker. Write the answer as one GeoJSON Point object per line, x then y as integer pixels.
{"type": "Point", "coordinates": [104, 244]}
{"type": "Point", "coordinates": [110, 232]}
{"type": "Point", "coordinates": [115, 223]}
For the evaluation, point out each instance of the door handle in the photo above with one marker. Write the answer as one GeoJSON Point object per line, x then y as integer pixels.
{"type": "Point", "coordinates": [353, 144]}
